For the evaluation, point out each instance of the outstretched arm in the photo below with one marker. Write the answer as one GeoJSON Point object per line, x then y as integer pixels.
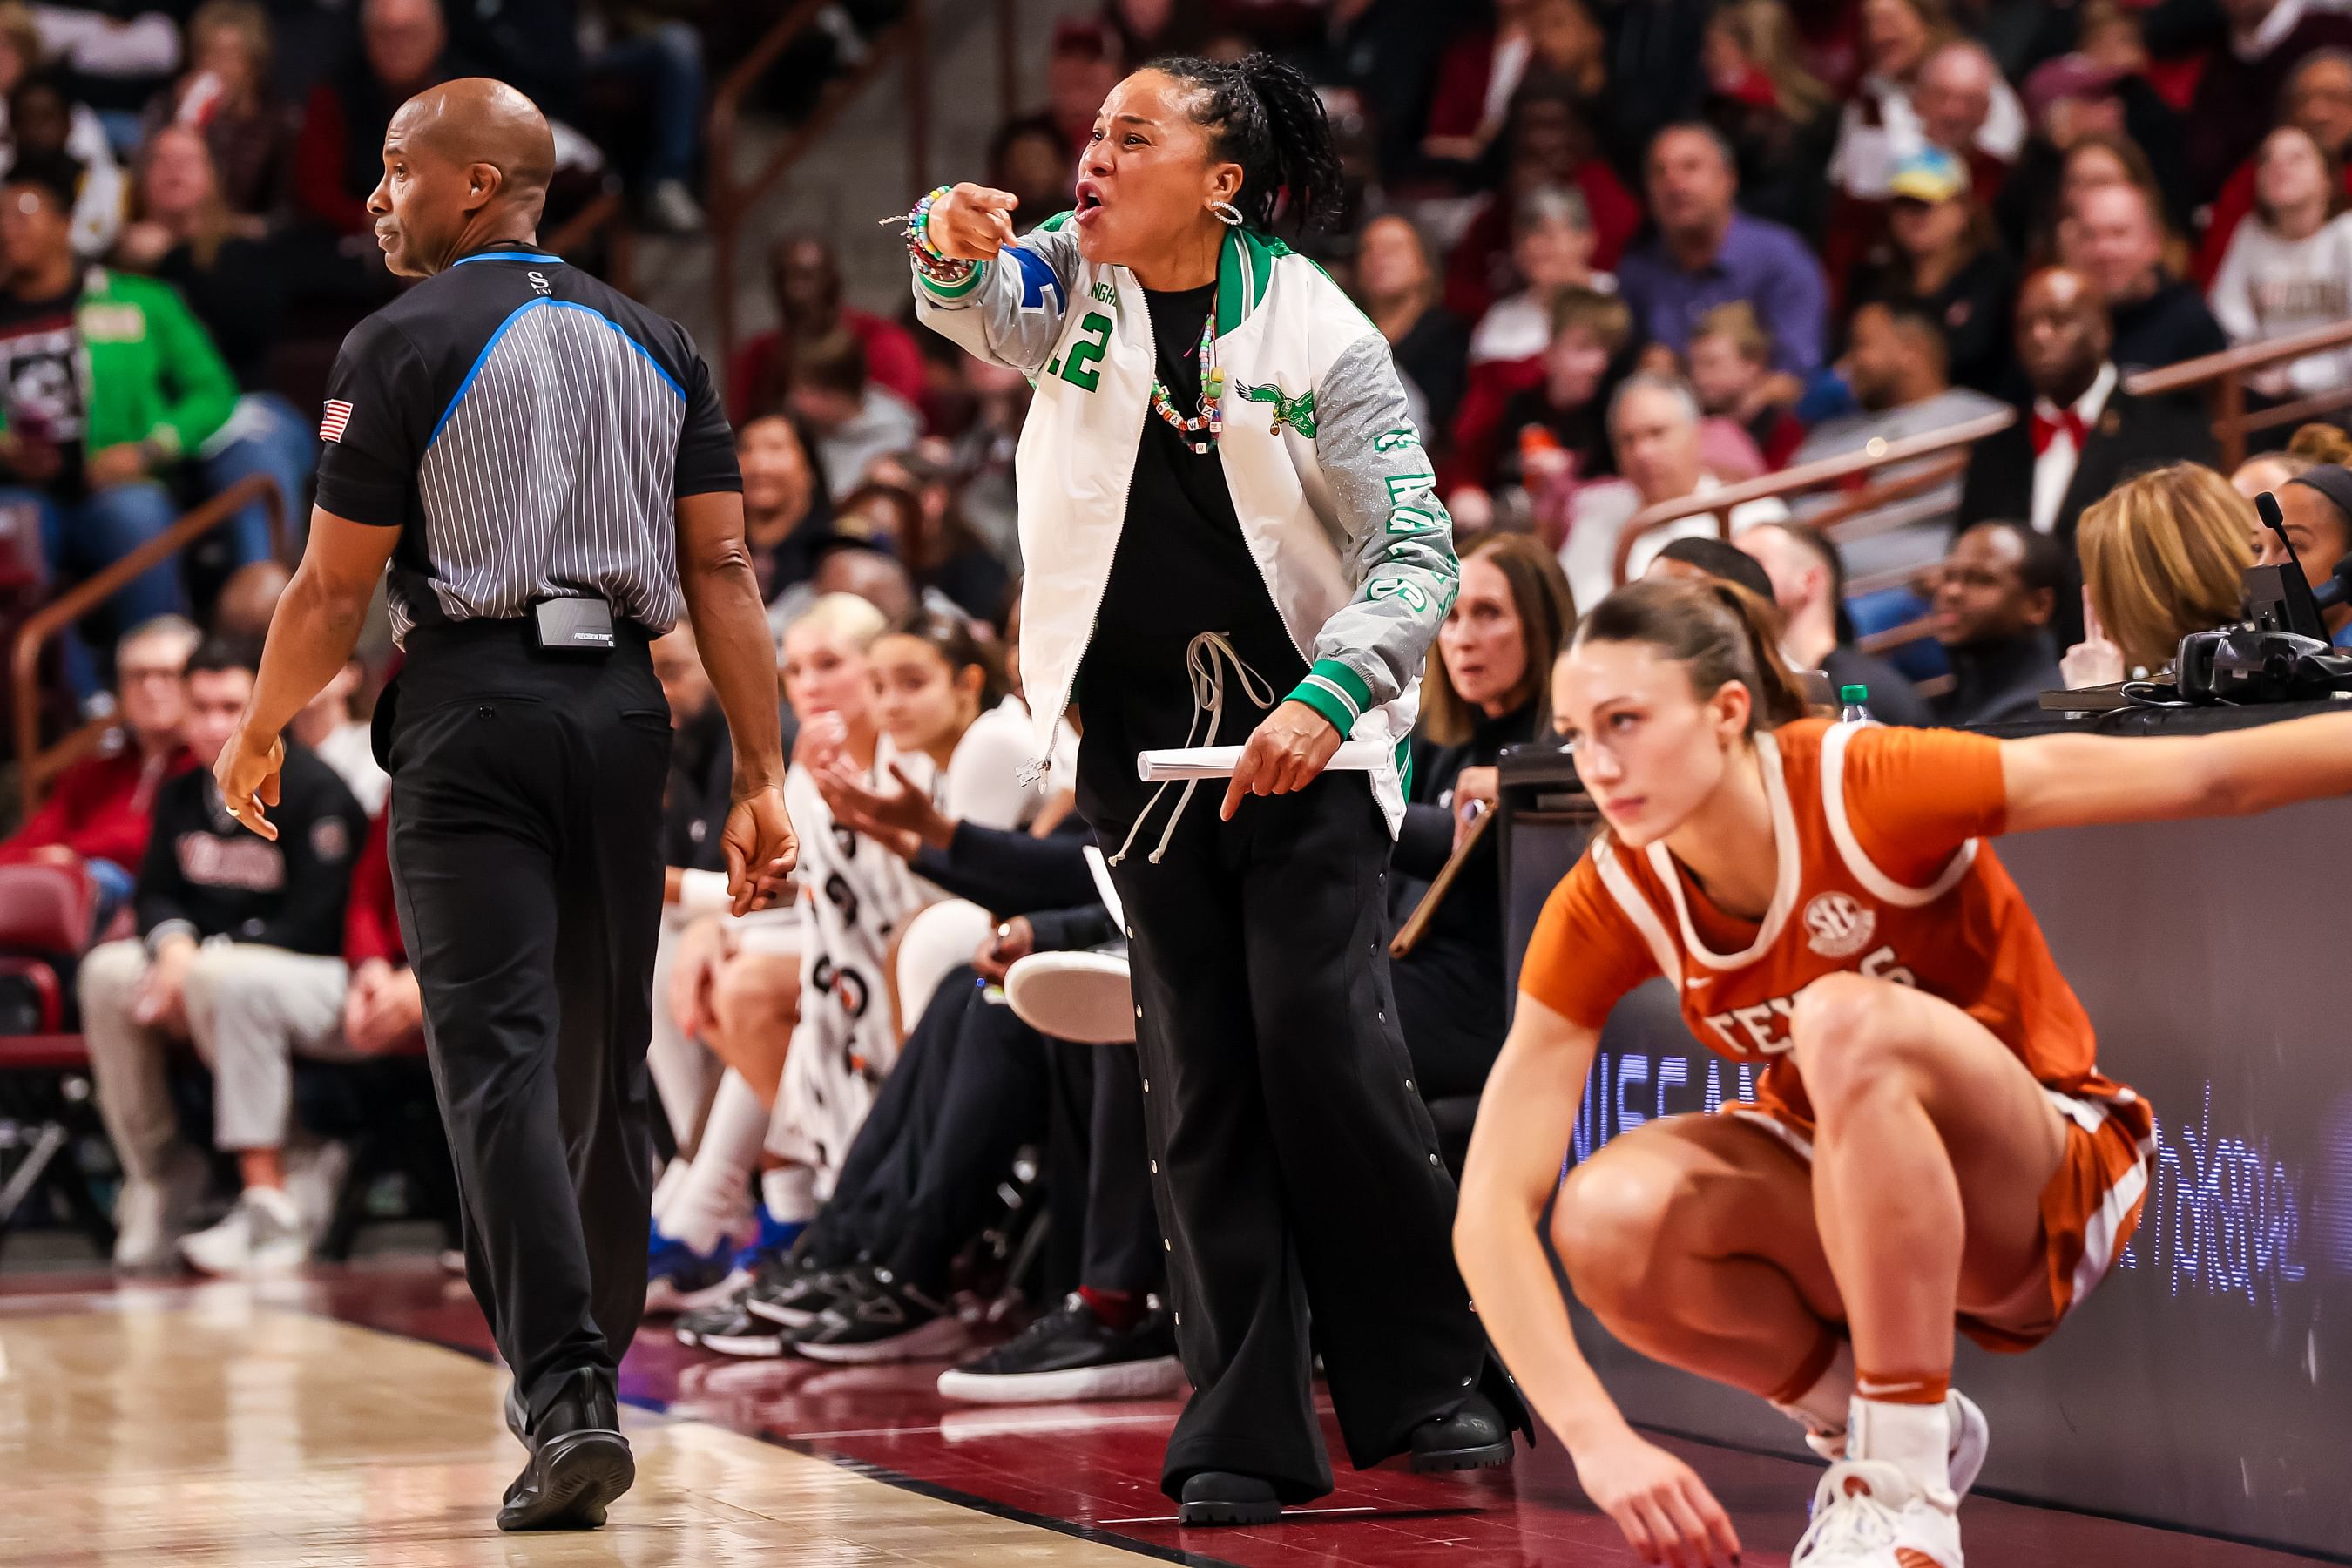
{"type": "Point", "coordinates": [1010, 308]}
{"type": "Point", "coordinates": [1516, 1155]}
{"type": "Point", "coordinates": [2069, 780]}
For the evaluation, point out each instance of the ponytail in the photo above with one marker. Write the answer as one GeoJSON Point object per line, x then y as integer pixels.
{"type": "Point", "coordinates": [1718, 631]}
{"type": "Point", "coordinates": [1266, 116]}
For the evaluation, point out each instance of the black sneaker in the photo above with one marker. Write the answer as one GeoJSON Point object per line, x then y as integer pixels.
{"type": "Point", "coordinates": [1070, 1354]}
{"type": "Point", "coordinates": [879, 1318]}
{"type": "Point", "coordinates": [730, 1331]}
{"type": "Point", "coordinates": [793, 1295]}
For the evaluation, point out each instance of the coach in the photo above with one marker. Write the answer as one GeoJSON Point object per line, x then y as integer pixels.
{"type": "Point", "coordinates": [544, 467]}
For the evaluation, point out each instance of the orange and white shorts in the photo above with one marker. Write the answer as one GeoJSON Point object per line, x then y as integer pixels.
{"type": "Point", "coordinates": [2089, 1209]}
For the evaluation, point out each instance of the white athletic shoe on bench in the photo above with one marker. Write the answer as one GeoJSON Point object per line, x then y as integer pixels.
{"type": "Point", "coordinates": [1084, 998]}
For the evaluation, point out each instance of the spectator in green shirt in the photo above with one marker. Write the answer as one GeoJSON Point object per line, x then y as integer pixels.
{"type": "Point", "coordinates": [107, 384]}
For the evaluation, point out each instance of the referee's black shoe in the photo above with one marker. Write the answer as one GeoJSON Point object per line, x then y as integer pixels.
{"type": "Point", "coordinates": [1476, 1436]}
{"type": "Point", "coordinates": [579, 1460]}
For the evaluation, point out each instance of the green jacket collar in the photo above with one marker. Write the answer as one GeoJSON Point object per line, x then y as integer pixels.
{"type": "Point", "coordinates": [1243, 271]}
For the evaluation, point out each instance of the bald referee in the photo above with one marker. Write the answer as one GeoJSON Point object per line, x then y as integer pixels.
{"type": "Point", "coordinates": [543, 467]}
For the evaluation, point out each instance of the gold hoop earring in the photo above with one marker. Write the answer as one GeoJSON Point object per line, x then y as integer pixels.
{"type": "Point", "coordinates": [1227, 214]}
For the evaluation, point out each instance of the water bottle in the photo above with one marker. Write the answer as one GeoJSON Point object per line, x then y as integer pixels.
{"type": "Point", "coordinates": [1851, 709]}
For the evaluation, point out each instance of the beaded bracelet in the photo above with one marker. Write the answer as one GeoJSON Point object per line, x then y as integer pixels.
{"type": "Point", "coordinates": [945, 272]}
{"type": "Point", "coordinates": [919, 225]}
{"type": "Point", "coordinates": [929, 258]}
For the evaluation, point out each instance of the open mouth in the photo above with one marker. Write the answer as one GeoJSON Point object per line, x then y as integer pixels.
{"type": "Point", "coordinates": [1090, 200]}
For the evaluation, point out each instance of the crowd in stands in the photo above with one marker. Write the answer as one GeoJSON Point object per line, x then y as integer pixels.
{"type": "Point", "coordinates": [1627, 253]}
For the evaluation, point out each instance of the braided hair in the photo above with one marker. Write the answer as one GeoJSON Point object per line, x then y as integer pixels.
{"type": "Point", "coordinates": [1265, 116]}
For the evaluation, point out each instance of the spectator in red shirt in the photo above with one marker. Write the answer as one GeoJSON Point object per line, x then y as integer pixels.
{"type": "Point", "coordinates": [338, 157]}
{"type": "Point", "coordinates": [1549, 142]}
{"type": "Point", "coordinates": [98, 811]}
{"type": "Point", "coordinates": [1481, 72]}
{"type": "Point", "coordinates": [1779, 119]}
{"type": "Point", "coordinates": [2240, 86]}
{"type": "Point", "coordinates": [806, 277]}
{"type": "Point", "coordinates": [2318, 100]}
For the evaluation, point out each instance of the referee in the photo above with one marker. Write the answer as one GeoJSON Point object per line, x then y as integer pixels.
{"type": "Point", "coordinates": [543, 467]}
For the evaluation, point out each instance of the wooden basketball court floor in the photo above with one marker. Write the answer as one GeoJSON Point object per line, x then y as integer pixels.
{"type": "Point", "coordinates": [353, 1418]}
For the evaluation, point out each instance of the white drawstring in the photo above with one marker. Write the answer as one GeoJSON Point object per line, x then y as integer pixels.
{"type": "Point", "coordinates": [1208, 692]}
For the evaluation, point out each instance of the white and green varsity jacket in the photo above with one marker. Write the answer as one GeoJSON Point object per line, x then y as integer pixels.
{"type": "Point", "coordinates": [1335, 493]}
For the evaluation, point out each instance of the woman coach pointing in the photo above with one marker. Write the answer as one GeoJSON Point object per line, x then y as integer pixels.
{"type": "Point", "coordinates": [544, 464]}
{"type": "Point", "coordinates": [1222, 499]}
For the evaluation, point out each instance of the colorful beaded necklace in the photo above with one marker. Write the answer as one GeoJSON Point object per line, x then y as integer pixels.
{"type": "Point", "coordinates": [1201, 431]}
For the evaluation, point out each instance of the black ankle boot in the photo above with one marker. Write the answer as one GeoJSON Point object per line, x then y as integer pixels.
{"type": "Point", "coordinates": [579, 1460]}
{"type": "Point", "coordinates": [1223, 1497]}
{"type": "Point", "coordinates": [1475, 1437]}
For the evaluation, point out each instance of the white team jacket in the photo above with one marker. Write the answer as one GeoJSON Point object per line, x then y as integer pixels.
{"type": "Point", "coordinates": [1335, 493]}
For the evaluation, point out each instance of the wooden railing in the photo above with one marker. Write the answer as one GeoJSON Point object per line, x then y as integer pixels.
{"type": "Point", "coordinates": [39, 767]}
{"type": "Point", "coordinates": [1949, 444]}
{"type": "Point", "coordinates": [2222, 378]}
{"type": "Point", "coordinates": [731, 200]}
{"type": "Point", "coordinates": [1878, 507]}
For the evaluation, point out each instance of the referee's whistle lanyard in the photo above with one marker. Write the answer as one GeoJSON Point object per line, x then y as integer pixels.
{"type": "Point", "coordinates": [1208, 677]}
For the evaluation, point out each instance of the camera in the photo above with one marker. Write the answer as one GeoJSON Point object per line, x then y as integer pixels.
{"type": "Point", "coordinates": [2254, 664]}
{"type": "Point", "coordinates": [2279, 653]}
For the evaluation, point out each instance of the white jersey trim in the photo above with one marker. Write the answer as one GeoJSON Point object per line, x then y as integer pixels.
{"type": "Point", "coordinates": [1791, 871]}
{"type": "Point", "coordinates": [1866, 871]}
{"type": "Point", "coordinates": [1637, 910]}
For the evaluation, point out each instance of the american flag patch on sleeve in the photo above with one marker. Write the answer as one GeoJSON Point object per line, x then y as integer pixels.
{"type": "Point", "coordinates": [339, 413]}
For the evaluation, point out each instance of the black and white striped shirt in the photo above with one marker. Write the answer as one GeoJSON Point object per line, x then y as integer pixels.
{"type": "Point", "coordinates": [529, 430]}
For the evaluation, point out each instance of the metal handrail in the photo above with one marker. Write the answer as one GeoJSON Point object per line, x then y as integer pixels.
{"type": "Point", "coordinates": [1811, 476]}
{"type": "Point", "coordinates": [39, 767]}
{"type": "Point", "coordinates": [730, 200]}
{"type": "Point", "coordinates": [2222, 377]}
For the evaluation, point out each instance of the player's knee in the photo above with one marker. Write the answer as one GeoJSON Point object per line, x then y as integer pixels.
{"type": "Point", "coordinates": [1849, 1033]}
{"type": "Point", "coordinates": [1606, 1228]}
{"type": "Point", "coordinates": [750, 995]}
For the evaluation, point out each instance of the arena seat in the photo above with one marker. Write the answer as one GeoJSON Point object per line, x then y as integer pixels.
{"type": "Point", "coordinates": [940, 936]}
{"type": "Point", "coordinates": [46, 908]}
{"type": "Point", "coordinates": [47, 1106]}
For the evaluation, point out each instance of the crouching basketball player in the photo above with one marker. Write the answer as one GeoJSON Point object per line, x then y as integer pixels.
{"type": "Point", "coordinates": [1931, 1142]}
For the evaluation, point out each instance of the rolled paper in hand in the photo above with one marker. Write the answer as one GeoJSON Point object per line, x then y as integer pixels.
{"type": "Point", "coordinates": [1219, 762]}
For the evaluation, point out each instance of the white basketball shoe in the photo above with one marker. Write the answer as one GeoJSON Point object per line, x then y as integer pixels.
{"type": "Point", "coordinates": [1868, 1514]}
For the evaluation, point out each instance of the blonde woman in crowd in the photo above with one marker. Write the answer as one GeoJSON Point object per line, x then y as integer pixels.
{"type": "Point", "coordinates": [2162, 557]}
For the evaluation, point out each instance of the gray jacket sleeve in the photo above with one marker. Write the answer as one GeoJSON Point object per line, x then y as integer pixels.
{"type": "Point", "coordinates": [1398, 537]}
{"type": "Point", "coordinates": [1010, 310]}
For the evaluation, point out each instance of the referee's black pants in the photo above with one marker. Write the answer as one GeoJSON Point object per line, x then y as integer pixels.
{"type": "Point", "coordinates": [526, 804]}
{"type": "Point", "coordinates": [1295, 1167]}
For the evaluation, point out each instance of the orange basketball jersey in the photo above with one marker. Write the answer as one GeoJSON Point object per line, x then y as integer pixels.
{"type": "Point", "coordinates": [1882, 872]}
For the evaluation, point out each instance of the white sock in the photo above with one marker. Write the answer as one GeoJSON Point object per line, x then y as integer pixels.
{"type": "Point", "coordinates": [713, 1200]}
{"type": "Point", "coordinates": [1915, 1439]}
{"type": "Point", "coordinates": [788, 1192]}
{"type": "Point", "coordinates": [1821, 1409]}
{"type": "Point", "coordinates": [665, 1190]}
